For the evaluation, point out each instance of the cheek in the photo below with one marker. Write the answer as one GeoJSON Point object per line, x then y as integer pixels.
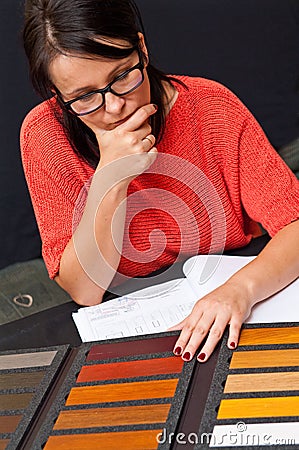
{"type": "Point", "coordinates": [146, 90]}
{"type": "Point", "coordinates": [142, 95]}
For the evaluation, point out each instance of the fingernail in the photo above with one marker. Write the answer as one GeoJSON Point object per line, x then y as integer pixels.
{"type": "Point", "coordinates": [201, 356]}
{"type": "Point", "coordinates": [232, 345]}
{"type": "Point", "coordinates": [178, 351]}
{"type": "Point", "coordinates": [155, 106]}
{"type": "Point", "coordinates": [187, 356]}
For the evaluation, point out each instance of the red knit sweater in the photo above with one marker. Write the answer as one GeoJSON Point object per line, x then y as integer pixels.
{"type": "Point", "coordinates": [215, 177]}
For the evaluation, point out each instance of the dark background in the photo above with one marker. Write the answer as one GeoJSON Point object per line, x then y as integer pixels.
{"type": "Point", "coordinates": [19, 238]}
{"type": "Point", "coordinates": [251, 46]}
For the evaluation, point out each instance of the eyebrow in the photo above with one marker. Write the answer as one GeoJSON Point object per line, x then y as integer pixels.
{"type": "Point", "coordinates": [86, 89]}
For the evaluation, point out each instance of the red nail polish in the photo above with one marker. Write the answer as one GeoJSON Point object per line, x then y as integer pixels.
{"type": "Point", "coordinates": [187, 356]}
{"type": "Point", "coordinates": [202, 356]}
{"type": "Point", "coordinates": [178, 351]}
{"type": "Point", "coordinates": [232, 345]}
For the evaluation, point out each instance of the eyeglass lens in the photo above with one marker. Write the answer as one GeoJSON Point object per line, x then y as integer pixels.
{"type": "Point", "coordinates": [122, 86]}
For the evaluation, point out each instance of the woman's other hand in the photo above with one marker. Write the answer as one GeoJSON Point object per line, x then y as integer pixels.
{"type": "Point", "coordinates": [229, 304]}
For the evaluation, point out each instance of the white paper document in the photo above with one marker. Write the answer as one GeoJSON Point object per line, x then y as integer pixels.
{"type": "Point", "coordinates": [157, 308]}
{"type": "Point", "coordinates": [150, 310]}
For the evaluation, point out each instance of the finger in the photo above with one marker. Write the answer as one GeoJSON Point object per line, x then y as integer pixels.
{"type": "Point", "coordinates": [199, 333]}
{"type": "Point", "coordinates": [138, 118]}
{"type": "Point", "coordinates": [215, 333]}
{"type": "Point", "coordinates": [182, 346]}
{"type": "Point", "coordinates": [149, 141]}
{"type": "Point", "coordinates": [234, 333]}
{"type": "Point", "coordinates": [152, 154]}
{"type": "Point", "coordinates": [141, 131]}
{"type": "Point", "coordinates": [177, 349]}
{"type": "Point", "coordinates": [144, 130]}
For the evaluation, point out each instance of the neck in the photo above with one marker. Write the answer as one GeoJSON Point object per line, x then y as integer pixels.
{"type": "Point", "coordinates": [171, 96]}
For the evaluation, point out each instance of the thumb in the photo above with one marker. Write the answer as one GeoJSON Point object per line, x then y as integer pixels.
{"type": "Point", "coordinates": [153, 152]}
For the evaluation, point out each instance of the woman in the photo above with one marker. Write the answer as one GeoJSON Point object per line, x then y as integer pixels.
{"type": "Point", "coordinates": [101, 158]}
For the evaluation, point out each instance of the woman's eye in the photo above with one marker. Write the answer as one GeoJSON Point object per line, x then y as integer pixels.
{"type": "Point", "coordinates": [88, 99]}
{"type": "Point", "coordinates": [122, 76]}
{"type": "Point", "coordinates": [125, 76]}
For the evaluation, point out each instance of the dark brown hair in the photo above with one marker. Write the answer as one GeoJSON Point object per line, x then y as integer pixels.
{"type": "Point", "coordinates": [54, 27]}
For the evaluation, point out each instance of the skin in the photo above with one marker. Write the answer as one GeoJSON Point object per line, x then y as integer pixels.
{"type": "Point", "coordinates": [122, 129]}
{"type": "Point", "coordinates": [276, 266]}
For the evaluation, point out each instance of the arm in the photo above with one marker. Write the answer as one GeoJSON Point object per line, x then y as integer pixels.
{"type": "Point", "coordinates": [91, 257]}
{"type": "Point", "coordinates": [75, 273]}
{"type": "Point", "coordinates": [230, 304]}
{"type": "Point", "coordinates": [269, 194]}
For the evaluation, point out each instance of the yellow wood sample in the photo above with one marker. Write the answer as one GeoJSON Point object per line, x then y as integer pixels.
{"type": "Point", "coordinates": [265, 358]}
{"type": "Point", "coordinates": [244, 408]}
{"type": "Point", "coordinates": [266, 336]}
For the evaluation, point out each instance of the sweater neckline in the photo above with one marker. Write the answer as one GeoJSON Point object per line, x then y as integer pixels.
{"type": "Point", "coordinates": [177, 104]}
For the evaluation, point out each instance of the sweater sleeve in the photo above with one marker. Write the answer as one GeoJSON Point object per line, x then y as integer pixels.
{"type": "Point", "coordinates": [257, 180]}
{"type": "Point", "coordinates": [55, 179]}
{"type": "Point", "coordinates": [269, 189]}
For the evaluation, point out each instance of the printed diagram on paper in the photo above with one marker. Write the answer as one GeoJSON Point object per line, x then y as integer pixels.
{"type": "Point", "coordinates": [147, 311]}
{"type": "Point", "coordinates": [157, 308]}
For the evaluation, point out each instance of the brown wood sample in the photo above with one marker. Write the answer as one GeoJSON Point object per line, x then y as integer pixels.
{"type": "Point", "coordinates": [130, 369]}
{"type": "Point", "coordinates": [127, 440]}
{"type": "Point", "coordinates": [16, 380]}
{"type": "Point", "coordinates": [8, 424]}
{"type": "Point", "coordinates": [104, 417]}
{"type": "Point", "coordinates": [14, 401]}
{"type": "Point", "coordinates": [134, 347]}
{"type": "Point", "coordinates": [122, 392]}
{"type": "Point", "coordinates": [4, 443]}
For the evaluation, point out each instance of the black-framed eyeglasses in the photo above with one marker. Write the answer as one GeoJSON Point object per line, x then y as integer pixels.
{"type": "Point", "coordinates": [123, 84]}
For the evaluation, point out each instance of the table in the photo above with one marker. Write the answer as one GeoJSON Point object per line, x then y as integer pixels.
{"type": "Point", "coordinates": [55, 326]}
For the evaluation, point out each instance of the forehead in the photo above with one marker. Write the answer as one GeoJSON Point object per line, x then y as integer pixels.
{"type": "Point", "coordinates": [68, 69]}
{"type": "Point", "coordinates": [69, 72]}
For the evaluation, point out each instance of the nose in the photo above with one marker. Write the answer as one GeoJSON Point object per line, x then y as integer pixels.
{"type": "Point", "coordinates": [113, 103]}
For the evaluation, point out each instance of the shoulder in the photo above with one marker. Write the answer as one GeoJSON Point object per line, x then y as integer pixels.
{"type": "Point", "coordinates": [44, 143]}
{"type": "Point", "coordinates": [42, 137]}
{"type": "Point", "coordinates": [209, 95]}
{"type": "Point", "coordinates": [41, 123]}
{"type": "Point", "coordinates": [202, 86]}
{"type": "Point", "coordinates": [53, 170]}
{"type": "Point", "coordinates": [210, 108]}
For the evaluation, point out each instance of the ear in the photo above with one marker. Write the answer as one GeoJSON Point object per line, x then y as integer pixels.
{"type": "Point", "coordinates": [143, 47]}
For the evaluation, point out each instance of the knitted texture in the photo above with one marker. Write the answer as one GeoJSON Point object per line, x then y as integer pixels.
{"type": "Point", "coordinates": [215, 177]}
